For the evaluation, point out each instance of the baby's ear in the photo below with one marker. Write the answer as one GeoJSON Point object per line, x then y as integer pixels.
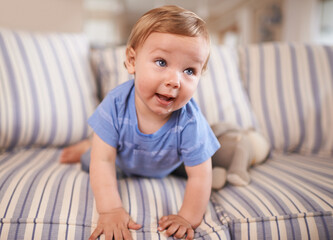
{"type": "Point", "coordinates": [130, 60]}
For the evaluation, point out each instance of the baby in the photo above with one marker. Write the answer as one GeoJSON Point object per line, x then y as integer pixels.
{"type": "Point", "coordinates": [149, 126]}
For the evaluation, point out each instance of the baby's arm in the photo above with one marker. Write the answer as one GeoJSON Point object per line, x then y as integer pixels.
{"type": "Point", "coordinates": [197, 193]}
{"type": "Point", "coordinates": [113, 220]}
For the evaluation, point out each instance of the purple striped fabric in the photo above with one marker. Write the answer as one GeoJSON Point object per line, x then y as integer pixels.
{"type": "Point", "coordinates": [47, 90]}
{"type": "Point", "coordinates": [289, 197]}
{"type": "Point", "coordinates": [291, 92]}
{"type": "Point", "coordinates": [220, 93]}
{"type": "Point", "coordinates": [42, 199]}
{"type": "Point", "coordinates": [109, 68]}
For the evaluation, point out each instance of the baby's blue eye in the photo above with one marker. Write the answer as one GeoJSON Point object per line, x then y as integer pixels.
{"type": "Point", "coordinates": [161, 63]}
{"type": "Point", "coordinates": [189, 71]}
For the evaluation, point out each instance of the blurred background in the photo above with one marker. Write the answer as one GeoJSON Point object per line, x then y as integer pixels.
{"type": "Point", "coordinates": [232, 22]}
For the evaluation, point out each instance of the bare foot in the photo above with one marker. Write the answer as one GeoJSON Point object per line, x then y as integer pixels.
{"type": "Point", "coordinates": [73, 153]}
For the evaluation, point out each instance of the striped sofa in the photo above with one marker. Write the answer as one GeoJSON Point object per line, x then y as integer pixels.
{"type": "Point", "coordinates": [51, 83]}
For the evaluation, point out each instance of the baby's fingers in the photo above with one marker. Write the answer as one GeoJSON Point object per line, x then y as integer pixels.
{"type": "Point", "coordinates": [126, 234]}
{"type": "Point", "coordinates": [98, 231]}
{"type": "Point", "coordinates": [181, 232]}
{"type": "Point", "coordinates": [172, 229]}
{"type": "Point", "coordinates": [190, 234]}
{"type": "Point", "coordinates": [133, 225]}
{"type": "Point", "coordinates": [163, 225]}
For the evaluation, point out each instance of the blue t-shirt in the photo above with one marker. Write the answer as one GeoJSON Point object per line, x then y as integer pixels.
{"type": "Point", "coordinates": [186, 137]}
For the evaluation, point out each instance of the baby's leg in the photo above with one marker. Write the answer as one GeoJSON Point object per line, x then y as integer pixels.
{"type": "Point", "coordinates": [73, 153]}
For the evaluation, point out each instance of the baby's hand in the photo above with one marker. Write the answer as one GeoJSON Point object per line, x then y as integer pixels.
{"type": "Point", "coordinates": [176, 226]}
{"type": "Point", "coordinates": [115, 224]}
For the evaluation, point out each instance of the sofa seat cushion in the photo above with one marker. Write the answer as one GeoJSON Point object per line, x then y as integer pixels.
{"type": "Point", "coordinates": [290, 87]}
{"type": "Point", "coordinates": [289, 197]}
{"type": "Point", "coordinates": [42, 199]}
{"type": "Point", "coordinates": [47, 90]}
{"type": "Point", "coordinates": [220, 93]}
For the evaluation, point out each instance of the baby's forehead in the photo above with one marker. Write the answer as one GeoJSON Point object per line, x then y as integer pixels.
{"type": "Point", "coordinates": [200, 36]}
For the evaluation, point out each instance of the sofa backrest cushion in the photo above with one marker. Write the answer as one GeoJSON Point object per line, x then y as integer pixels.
{"type": "Point", "coordinates": [47, 90]}
{"type": "Point", "coordinates": [220, 93]}
{"type": "Point", "coordinates": [291, 90]}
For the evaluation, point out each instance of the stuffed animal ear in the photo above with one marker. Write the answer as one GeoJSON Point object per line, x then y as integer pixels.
{"type": "Point", "coordinates": [222, 127]}
{"type": "Point", "coordinates": [260, 147]}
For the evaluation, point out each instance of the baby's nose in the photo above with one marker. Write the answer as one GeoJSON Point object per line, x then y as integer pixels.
{"type": "Point", "coordinates": [173, 80]}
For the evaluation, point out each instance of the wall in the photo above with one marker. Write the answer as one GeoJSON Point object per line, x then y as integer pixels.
{"type": "Point", "coordinates": [301, 20]}
{"type": "Point", "coordinates": [42, 15]}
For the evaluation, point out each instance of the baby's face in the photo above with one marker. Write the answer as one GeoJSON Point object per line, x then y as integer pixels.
{"type": "Point", "coordinates": [167, 69]}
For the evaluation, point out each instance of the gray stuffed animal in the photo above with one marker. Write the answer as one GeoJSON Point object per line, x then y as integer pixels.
{"type": "Point", "coordinates": [239, 150]}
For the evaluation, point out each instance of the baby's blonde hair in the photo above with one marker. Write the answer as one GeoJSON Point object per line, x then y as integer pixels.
{"type": "Point", "coordinates": [168, 19]}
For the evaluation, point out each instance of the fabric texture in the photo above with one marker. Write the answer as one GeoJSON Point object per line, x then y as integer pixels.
{"type": "Point", "coordinates": [43, 199]}
{"type": "Point", "coordinates": [47, 91]}
{"type": "Point", "coordinates": [289, 197]}
{"type": "Point", "coordinates": [290, 87]}
{"type": "Point", "coordinates": [220, 94]}
{"type": "Point", "coordinates": [186, 137]}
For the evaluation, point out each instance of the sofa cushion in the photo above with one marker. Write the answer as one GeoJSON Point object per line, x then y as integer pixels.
{"type": "Point", "coordinates": [43, 199]}
{"type": "Point", "coordinates": [291, 90]}
{"type": "Point", "coordinates": [47, 89]}
{"type": "Point", "coordinates": [220, 93]}
{"type": "Point", "coordinates": [289, 197]}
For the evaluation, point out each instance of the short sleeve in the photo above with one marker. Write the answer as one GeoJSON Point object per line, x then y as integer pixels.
{"type": "Point", "coordinates": [197, 141]}
{"type": "Point", "coordinates": [104, 121]}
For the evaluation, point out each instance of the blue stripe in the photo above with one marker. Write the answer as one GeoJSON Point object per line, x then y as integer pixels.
{"type": "Point", "coordinates": [231, 89]}
{"type": "Point", "coordinates": [86, 203]}
{"type": "Point", "coordinates": [15, 100]}
{"type": "Point", "coordinates": [83, 101]}
{"type": "Point", "coordinates": [50, 93]}
{"type": "Point", "coordinates": [298, 97]}
{"type": "Point", "coordinates": [245, 94]}
{"type": "Point", "coordinates": [98, 66]}
{"type": "Point", "coordinates": [210, 226]}
{"type": "Point", "coordinates": [316, 97]}
{"type": "Point", "coordinates": [155, 203]}
{"type": "Point", "coordinates": [282, 103]}
{"type": "Point", "coordinates": [70, 205]}
{"type": "Point", "coordinates": [129, 197]}
{"type": "Point", "coordinates": [263, 96]}
{"type": "Point", "coordinates": [32, 92]}
{"type": "Point", "coordinates": [173, 187]}
{"type": "Point", "coordinates": [329, 52]}
{"type": "Point", "coordinates": [53, 204]}
{"type": "Point", "coordinates": [66, 91]}
{"type": "Point", "coordinates": [216, 93]}
{"type": "Point", "coordinates": [143, 213]}
{"type": "Point", "coordinates": [165, 202]}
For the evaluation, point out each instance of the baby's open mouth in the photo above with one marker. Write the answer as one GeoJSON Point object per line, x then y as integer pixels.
{"type": "Point", "coordinates": [164, 98]}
